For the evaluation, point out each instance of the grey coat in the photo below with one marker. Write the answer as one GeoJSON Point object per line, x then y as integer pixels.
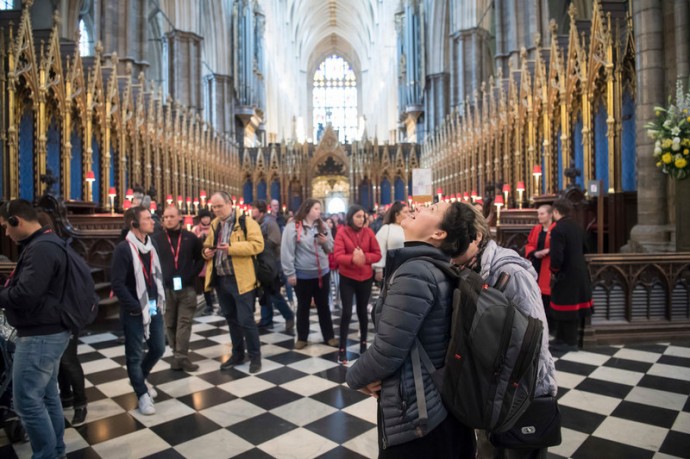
{"type": "Point", "coordinates": [301, 256]}
{"type": "Point", "coordinates": [417, 304]}
{"type": "Point", "coordinates": [522, 290]}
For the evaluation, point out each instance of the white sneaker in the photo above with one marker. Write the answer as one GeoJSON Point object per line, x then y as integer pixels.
{"type": "Point", "coordinates": [152, 390]}
{"type": "Point", "coordinates": [146, 405]}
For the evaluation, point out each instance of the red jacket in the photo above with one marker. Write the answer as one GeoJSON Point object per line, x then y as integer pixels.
{"type": "Point", "coordinates": [346, 241]}
{"type": "Point", "coordinates": [544, 280]}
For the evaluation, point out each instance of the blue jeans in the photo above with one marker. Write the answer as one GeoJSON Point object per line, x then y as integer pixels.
{"type": "Point", "coordinates": [35, 389]}
{"type": "Point", "coordinates": [238, 310]}
{"type": "Point", "coordinates": [139, 365]}
{"type": "Point", "coordinates": [274, 299]}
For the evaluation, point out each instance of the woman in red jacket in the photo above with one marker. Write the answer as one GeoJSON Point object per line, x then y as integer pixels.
{"type": "Point", "coordinates": [355, 250]}
{"type": "Point", "coordinates": [537, 251]}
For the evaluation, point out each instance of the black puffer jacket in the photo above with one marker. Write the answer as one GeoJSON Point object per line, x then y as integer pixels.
{"type": "Point", "coordinates": [418, 303]}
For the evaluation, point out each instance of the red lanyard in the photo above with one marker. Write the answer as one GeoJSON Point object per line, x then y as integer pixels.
{"type": "Point", "coordinates": [148, 277]}
{"type": "Point", "coordinates": [298, 228]}
{"type": "Point", "coordinates": [176, 253]}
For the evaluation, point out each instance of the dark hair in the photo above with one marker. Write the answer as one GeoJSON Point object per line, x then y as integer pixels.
{"type": "Point", "coordinates": [260, 205]}
{"type": "Point", "coordinates": [133, 214]}
{"type": "Point", "coordinates": [305, 208]}
{"type": "Point", "coordinates": [204, 213]}
{"type": "Point", "coordinates": [224, 195]}
{"type": "Point", "coordinates": [563, 206]}
{"type": "Point", "coordinates": [354, 208]}
{"type": "Point", "coordinates": [459, 224]}
{"type": "Point", "coordinates": [334, 230]}
{"type": "Point", "coordinates": [393, 212]}
{"type": "Point", "coordinates": [19, 208]}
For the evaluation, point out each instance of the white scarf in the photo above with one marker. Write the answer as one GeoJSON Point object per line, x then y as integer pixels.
{"type": "Point", "coordinates": [136, 246]}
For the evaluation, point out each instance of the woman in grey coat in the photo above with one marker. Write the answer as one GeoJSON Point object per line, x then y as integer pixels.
{"type": "Point", "coordinates": [416, 304]}
{"type": "Point", "coordinates": [490, 260]}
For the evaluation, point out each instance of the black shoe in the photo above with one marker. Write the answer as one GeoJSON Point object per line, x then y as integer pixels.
{"type": "Point", "coordinates": [187, 365]}
{"type": "Point", "coordinates": [264, 324]}
{"type": "Point", "coordinates": [255, 365]}
{"type": "Point", "coordinates": [231, 362]}
{"type": "Point", "coordinates": [560, 346]}
{"type": "Point", "coordinates": [362, 347]}
{"type": "Point", "coordinates": [342, 356]}
{"type": "Point", "coordinates": [289, 325]}
{"type": "Point", "coordinates": [79, 416]}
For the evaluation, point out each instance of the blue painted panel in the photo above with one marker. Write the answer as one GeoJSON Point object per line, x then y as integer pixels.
{"type": "Point", "coordinates": [53, 153]}
{"type": "Point", "coordinates": [365, 196]}
{"type": "Point", "coordinates": [76, 166]}
{"type": "Point", "coordinates": [400, 189]}
{"type": "Point", "coordinates": [628, 160]}
{"type": "Point", "coordinates": [579, 149]}
{"type": "Point", "coordinates": [261, 190]}
{"type": "Point", "coordinates": [112, 178]}
{"type": "Point", "coordinates": [385, 191]}
{"type": "Point", "coordinates": [247, 192]}
{"type": "Point", "coordinates": [559, 160]}
{"type": "Point", "coordinates": [96, 165]}
{"type": "Point", "coordinates": [601, 147]}
{"type": "Point", "coordinates": [295, 202]}
{"type": "Point", "coordinates": [26, 155]}
{"type": "Point", "coordinates": [275, 189]}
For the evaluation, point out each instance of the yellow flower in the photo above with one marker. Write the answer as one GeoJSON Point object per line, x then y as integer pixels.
{"type": "Point", "coordinates": [666, 144]}
{"type": "Point", "coordinates": [688, 119]}
{"type": "Point", "coordinates": [681, 163]}
{"type": "Point", "coordinates": [686, 151]}
{"type": "Point", "coordinates": [658, 164]}
{"type": "Point", "coordinates": [667, 158]}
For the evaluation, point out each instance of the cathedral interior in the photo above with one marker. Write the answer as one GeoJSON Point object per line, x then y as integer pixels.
{"type": "Point", "coordinates": [514, 102]}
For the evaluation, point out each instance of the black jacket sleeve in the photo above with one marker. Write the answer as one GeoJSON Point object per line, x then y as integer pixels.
{"type": "Point", "coordinates": [557, 250]}
{"type": "Point", "coordinates": [122, 276]}
{"type": "Point", "coordinates": [410, 297]}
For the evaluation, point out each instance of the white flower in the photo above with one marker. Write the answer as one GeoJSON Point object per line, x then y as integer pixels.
{"type": "Point", "coordinates": [657, 151]}
{"type": "Point", "coordinates": [675, 131]}
{"type": "Point", "coordinates": [652, 133]}
{"type": "Point", "coordinates": [657, 144]}
{"type": "Point", "coordinates": [668, 124]}
{"type": "Point", "coordinates": [675, 147]}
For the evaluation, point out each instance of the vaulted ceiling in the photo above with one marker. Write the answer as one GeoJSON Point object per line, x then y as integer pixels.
{"type": "Point", "coordinates": [319, 27]}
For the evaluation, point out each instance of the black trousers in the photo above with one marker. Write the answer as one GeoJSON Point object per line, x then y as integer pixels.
{"type": "Point", "coordinates": [566, 331]}
{"type": "Point", "coordinates": [306, 289]}
{"type": "Point", "coordinates": [361, 290]}
{"type": "Point", "coordinates": [71, 375]}
{"type": "Point", "coordinates": [449, 440]}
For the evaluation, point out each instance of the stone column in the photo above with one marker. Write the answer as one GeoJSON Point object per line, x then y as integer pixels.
{"type": "Point", "coordinates": [220, 103]}
{"type": "Point", "coordinates": [183, 65]}
{"type": "Point", "coordinates": [652, 232]}
{"type": "Point", "coordinates": [121, 26]}
{"type": "Point", "coordinates": [681, 16]}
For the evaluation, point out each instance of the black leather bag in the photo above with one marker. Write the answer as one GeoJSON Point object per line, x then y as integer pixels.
{"type": "Point", "coordinates": [538, 427]}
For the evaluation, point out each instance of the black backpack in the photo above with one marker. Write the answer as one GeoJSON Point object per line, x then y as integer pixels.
{"type": "Point", "coordinates": [79, 299]}
{"type": "Point", "coordinates": [264, 263]}
{"type": "Point", "coordinates": [490, 369]}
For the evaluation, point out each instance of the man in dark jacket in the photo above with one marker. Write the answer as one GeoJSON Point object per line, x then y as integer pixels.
{"type": "Point", "coordinates": [137, 281]}
{"type": "Point", "coordinates": [31, 299]}
{"type": "Point", "coordinates": [571, 288]}
{"type": "Point", "coordinates": [181, 261]}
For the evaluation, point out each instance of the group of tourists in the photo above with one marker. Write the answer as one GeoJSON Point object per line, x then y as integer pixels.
{"type": "Point", "coordinates": [154, 273]}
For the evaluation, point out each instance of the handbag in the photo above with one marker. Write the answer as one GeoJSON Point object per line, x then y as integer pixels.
{"type": "Point", "coordinates": [538, 427]}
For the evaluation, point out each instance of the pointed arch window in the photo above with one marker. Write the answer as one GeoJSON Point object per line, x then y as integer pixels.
{"type": "Point", "coordinates": [335, 98]}
{"type": "Point", "coordinates": [6, 4]}
{"type": "Point", "coordinates": [86, 47]}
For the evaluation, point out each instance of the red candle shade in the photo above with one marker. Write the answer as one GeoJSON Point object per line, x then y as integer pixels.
{"type": "Point", "coordinates": [202, 194]}
{"type": "Point", "coordinates": [169, 199]}
{"type": "Point", "coordinates": [127, 204]}
{"type": "Point", "coordinates": [520, 186]}
{"type": "Point", "coordinates": [112, 191]}
{"type": "Point", "coordinates": [536, 170]}
{"type": "Point", "coordinates": [439, 191]}
{"type": "Point", "coordinates": [179, 198]}
{"type": "Point", "coordinates": [90, 176]}
{"type": "Point", "coordinates": [499, 200]}
{"type": "Point", "coordinates": [153, 206]}
{"type": "Point", "coordinates": [466, 196]}
{"type": "Point", "coordinates": [129, 194]}
{"type": "Point", "coordinates": [188, 200]}
{"type": "Point", "coordinates": [188, 221]}
{"type": "Point", "coordinates": [473, 194]}
{"type": "Point", "coordinates": [506, 188]}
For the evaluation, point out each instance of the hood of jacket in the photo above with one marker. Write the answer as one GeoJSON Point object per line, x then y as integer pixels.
{"type": "Point", "coordinates": [495, 257]}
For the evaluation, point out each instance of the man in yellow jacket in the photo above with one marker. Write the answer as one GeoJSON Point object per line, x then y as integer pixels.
{"type": "Point", "coordinates": [228, 250]}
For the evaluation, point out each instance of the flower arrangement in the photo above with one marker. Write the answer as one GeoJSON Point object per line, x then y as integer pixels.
{"type": "Point", "coordinates": [671, 132]}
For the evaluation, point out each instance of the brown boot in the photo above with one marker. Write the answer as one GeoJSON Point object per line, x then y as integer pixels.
{"type": "Point", "coordinates": [187, 365]}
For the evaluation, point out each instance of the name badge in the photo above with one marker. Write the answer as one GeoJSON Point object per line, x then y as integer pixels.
{"type": "Point", "coordinates": [153, 308]}
{"type": "Point", "coordinates": [177, 283]}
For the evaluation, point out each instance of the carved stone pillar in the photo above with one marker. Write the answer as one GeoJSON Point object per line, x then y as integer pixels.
{"type": "Point", "coordinates": [182, 63]}
{"type": "Point", "coordinates": [121, 27]}
{"type": "Point", "coordinates": [653, 232]}
{"type": "Point", "coordinates": [220, 103]}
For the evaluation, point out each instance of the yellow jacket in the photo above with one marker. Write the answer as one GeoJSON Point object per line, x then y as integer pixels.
{"type": "Point", "coordinates": [240, 250]}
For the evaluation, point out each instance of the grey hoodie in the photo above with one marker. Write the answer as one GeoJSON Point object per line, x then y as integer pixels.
{"type": "Point", "coordinates": [522, 290]}
{"type": "Point", "coordinates": [300, 257]}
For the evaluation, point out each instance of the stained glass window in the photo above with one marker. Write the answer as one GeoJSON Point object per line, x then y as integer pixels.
{"type": "Point", "coordinates": [85, 41]}
{"type": "Point", "coordinates": [6, 4]}
{"type": "Point", "coordinates": [335, 99]}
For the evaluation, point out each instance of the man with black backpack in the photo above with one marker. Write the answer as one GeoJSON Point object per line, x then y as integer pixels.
{"type": "Point", "coordinates": [32, 301]}
{"type": "Point", "coordinates": [271, 292]}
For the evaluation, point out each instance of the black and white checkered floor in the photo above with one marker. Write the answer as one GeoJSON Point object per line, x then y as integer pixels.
{"type": "Point", "coordinates": [617, 402]}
